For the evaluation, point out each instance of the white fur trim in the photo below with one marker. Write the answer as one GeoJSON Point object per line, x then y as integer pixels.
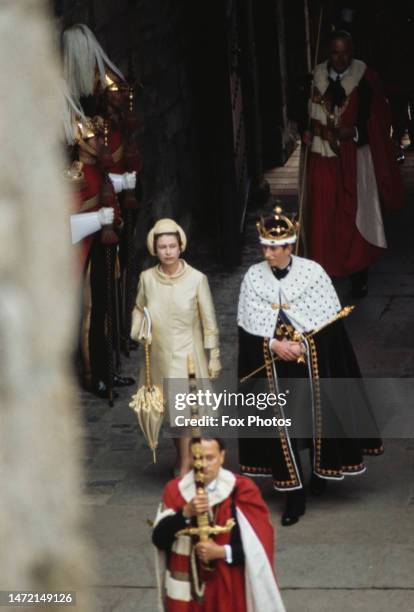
{"type": "Point", "coordinates": [160, 569]}
{"type": "Point", "coordinates": [351, 79]}
{"type": "Point", "coordinates": [225, 483]}
{"type": "Point", "coordinates": [182, 545]}
{"type": "Point", "coordinates": [321, 81]}
{"type": "Point", "coordinates": [322, 147]}
{"type": "Point", "coordinates": [177, 589]}
{"type": "Point", "coordinates": [262, 593]}
{"type": "Point", "coordinates": [161, 559]}
{"type": "Point", "coordinates": [341, 477]}
{"type": "Point", "coordinates": [307, 289]}
{"type": "Point", "coordinates": [318, 113]}
{"type": "Point", "coordinates": [280, 242]}
{"type": "Point", "coordinates": [286, 489]}
{"type": "Point", "coordinates": [162, 513]}
{"type": "Point", "coordinates": [368, 218]}
{"type": "Point", "coordinates": [364, 469]}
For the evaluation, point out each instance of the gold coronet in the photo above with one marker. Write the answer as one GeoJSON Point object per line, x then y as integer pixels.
{"type": "Point", "coordinates": [281, 228]}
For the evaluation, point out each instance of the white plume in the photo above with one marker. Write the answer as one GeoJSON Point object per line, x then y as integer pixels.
{"type": "Point", "coordinates": [82, 54]}
{"type": "Point", "coordinates": [71, 112]}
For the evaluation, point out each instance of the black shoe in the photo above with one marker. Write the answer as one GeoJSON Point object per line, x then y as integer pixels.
{"type": "Point", "coordinates": [317, 485]}
{"type": "Point", "coordinates": [101, 390]}
{"type": "Point", "coordinates": [294, 509]}
{"type": "Point", "coordinates": [123, 381]}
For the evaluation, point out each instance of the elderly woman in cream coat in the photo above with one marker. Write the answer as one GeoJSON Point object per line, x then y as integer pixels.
{"type": "Point", "coordinates": [182, 313]}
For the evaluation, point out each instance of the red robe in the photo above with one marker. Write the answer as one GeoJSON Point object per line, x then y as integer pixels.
{"type": "Point", "coordinates": [333, 238]}
{"type": "Point", "coordinates": [88, 201]}
{"type": "Point", "coordinates": [225, 587]}
{"type": "Point", "coordinates": [117, 150]}
{"type": "Point", "coordinates": [125, 157]}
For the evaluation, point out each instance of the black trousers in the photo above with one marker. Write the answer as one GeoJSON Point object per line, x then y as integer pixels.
{"type": "Point", "coordinates": [97, 335]}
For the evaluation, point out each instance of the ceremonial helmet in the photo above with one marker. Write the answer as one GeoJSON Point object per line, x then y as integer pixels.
{"type": "Point", "coordinates": [87, 129]}
{"type": "Point", "coordinates": [75, 176]}
{"type": "Point", "coordinates": [85, 63]}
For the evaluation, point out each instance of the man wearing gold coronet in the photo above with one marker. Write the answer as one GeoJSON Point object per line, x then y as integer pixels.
{"type": "Point", "coordinates": [290, 328]}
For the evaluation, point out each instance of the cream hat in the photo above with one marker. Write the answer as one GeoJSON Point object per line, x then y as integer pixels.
{"type": "Point", "coordinates": [165, 226]}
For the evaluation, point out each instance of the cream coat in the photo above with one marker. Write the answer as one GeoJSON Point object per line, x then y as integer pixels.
{"type": "Point", "coordinates": [183, 321]}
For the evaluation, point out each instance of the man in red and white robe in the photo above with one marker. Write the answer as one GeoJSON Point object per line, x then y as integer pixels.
{"type": "Point", "coordinates": [242, 577]}
{"type": "Point", "coordinates": [352, 172]}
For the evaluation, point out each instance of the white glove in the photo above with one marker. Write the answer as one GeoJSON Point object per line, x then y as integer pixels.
{"type": "Point", "coordinates": [106, 215]}
{"type": "Point", "coordinates": [214, 365]}
{"type": "Point", "coordinates": [117, 181]}
{"type": "Point", "coordinates": [123, 181]}
{"type": "Point", "coordinates": [84, 224]}
{"type": "Point", "coordinates": [130, 179]}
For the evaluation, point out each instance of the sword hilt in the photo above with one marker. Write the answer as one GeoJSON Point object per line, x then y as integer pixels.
{"type": "Point", "coordinates": [204, 532]}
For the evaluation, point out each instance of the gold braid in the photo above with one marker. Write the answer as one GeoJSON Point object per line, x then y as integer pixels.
{"type": "Point", "coordinates": [282, 436]}
{"type": "Point", "coordinates": [317, 399]}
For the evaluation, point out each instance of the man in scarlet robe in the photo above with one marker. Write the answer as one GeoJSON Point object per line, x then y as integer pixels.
{"type": "Point", "coordinates": [91, 191]}
{"type": "Point", "coordinates": [352, 172]}
{"type": "Point", "coordinates": [241, 576]}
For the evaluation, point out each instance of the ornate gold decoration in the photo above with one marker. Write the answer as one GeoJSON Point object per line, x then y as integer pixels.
{"type": "Point", "coordinates": [333, 121]}
{"type": "Point", "coordinates": [131, 96]}
{"type": "Point", "coordinates": [318, 412]}
{"type": "Point", "coordinates": [373, 451]}
{"type": "Point", "coordinates": [293, 477]}
{"type": "Point", "coordinates": [255, 470]}
{"type": "Point", "coordinates": [75, 175]}
{"type": "Point", "coordinates": [288, 332]}
{"type": "Point", "coordinates": [111, 85]}
{"type": "Point", "coordinates": [282, 227]}
{"type": "Point", "coordinates": [346, 310]}
{"type": "Point", "coordinates": [106, 133]}
{"type": "Point", "coordinates": [340, 315]}
{"type": "Point", "coordinates": [86, 130]}
{"type": "Point", "coordinates": [203, 530]}
{"type": "Point", "coordinates": [282, 306]}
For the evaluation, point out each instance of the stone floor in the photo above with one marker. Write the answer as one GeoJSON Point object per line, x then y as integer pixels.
{"type": "Point", "coordinates": [354, 548]}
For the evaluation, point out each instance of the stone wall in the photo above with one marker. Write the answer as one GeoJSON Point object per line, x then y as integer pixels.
{"type": "Point", "coordinates": [43, 545]}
